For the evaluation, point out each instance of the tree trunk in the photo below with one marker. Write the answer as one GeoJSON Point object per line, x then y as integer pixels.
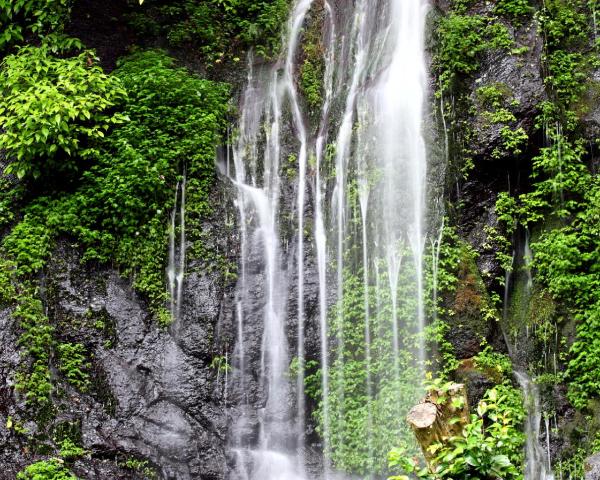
{"type": "Point", "coordinates": [431, 419]}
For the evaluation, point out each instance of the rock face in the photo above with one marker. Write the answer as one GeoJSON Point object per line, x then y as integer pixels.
{"type": "Point", "coordinates": [162, 400]}
{"type": "Point", "coordinates": [154, 394]}
{"type": "Point", "coordinates": [592, 467]}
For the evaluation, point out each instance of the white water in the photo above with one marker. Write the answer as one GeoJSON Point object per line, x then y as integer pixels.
{"type": "Point", "coordinates": [375, 81]}
{"type": "Point", "coordinates": [537, 458]}
{"type": "Point", "coordinates": [176, 265]}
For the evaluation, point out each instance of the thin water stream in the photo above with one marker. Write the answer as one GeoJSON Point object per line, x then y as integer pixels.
{"type": "Point", "coordinates": [537, 455]}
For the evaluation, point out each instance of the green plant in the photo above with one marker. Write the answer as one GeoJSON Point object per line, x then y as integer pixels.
{"type": "Point", "coordinates": [462, 38]}
{"type": "Point", "coordinates": [117, 209]}
{"type": "Point", "coordinates": [218, 28]}
{"type": "Point", "coordinates": [513, 9]}
{"type": "Point", "coordinates": [69, 450]}
{"type": "Point", "coordinates": [36, 340]}
{"type": "Point", "coordinates": [220, 364]}
{"type": "Point", "coordinates": [19, 19]}
{"type": "Point", "coordinates": [490, 447]}
{"type": "Point", "coordinates": [52, 469]}
{"type": "Point", "coordinates": [68, 105]}
{"type": "Point", "coordinates": [72, 363]}
{"type": "Point", "coordinates": [141, 466]}
{"type": "Point", "coordinates": [497, 365]}
{"type": "Point", "coordinates": [368, 384]}
{"type": "Point", "coordinates": [312, 69]}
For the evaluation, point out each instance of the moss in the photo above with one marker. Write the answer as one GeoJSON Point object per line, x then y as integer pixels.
{"type": "Point", "coordinates": [472, 304]}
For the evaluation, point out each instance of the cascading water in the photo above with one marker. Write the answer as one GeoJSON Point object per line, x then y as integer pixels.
{"type": "Point", "coordinates": [354, 210]}
{"type": "Point", "coordinates": [176, 266]}
{"type": "Point", "coordinates": [537, 458]}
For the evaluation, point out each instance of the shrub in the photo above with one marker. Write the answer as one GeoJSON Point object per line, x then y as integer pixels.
{"type": "Point", "coordinates": [53, 110]}
{"type": "Point", "coordinates": [19, 19]}
{"type": "Point", "coordinates": [120, 210]}
{"type": "Point", "coordinates": [513, 8]}
{"type": "Point", "coordinates": [216, 27]}
{"type": "Point", "coordinates": [462, 38]}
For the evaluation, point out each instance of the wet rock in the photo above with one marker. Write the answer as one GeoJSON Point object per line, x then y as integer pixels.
{"type": "Point", "coordinates": [159, 380]}
{"type": "Point", "coordinates": [477, 384]}
{"type": "Point", "coordinates": [591, 121]}
{"type": "Point", "coordinates": [592, 467]}
{"type": "Point", "coordinates": [519, 77]}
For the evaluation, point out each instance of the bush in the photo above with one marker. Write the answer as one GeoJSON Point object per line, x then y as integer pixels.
{"type": "Point", "coordinates": [19, 19]}
{"type": "Point", "coordinates": [119, 209]}
{"type": "Point", "coordinates": [513, 8]}
{"type": "Point", "coordinates": [216, 27]}
{"type": "Point", "coordinates": [462, 38]}
{"type": "Point", "coordinates": [54, 110]}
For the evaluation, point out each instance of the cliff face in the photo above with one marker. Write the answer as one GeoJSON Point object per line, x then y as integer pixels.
{"type": "Point", "coordinates": [155, 393]}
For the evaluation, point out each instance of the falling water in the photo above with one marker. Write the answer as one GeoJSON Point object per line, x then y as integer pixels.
{"type": "Point", "coordinates": [366, 139]}
{"type": "Point", "coordinates": [176, 265]}
{"type": "Point", "coordinates": [537, 460]}
{"type": "Point", "coordinates": [320, 233]}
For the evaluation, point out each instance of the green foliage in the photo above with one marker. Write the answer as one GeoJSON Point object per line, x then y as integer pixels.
{"type": "Point", "coordinates": [142, 467]}
{"type": "Point", "coordinates": [513, 9]}
{"type": "Point", "coordinates": [462, 38]}
{"type": "Point", "coordinates": [117, 211]}
{"type": "Point", "coordinates": [367, 389]}
{"type": "Point", "coordinates": [493, 96]}
{"type": "Point", "coordinates": [513, 140]}
{"type": "Point", "coordinates": [10, 196]}
{"type": "Point", "coordinates": [216, 27]}
{"type": "Point", "coordinates": [36, 341]}
{"type": "Point", "coordinates": [21, 18]}
{"type": "Point", "coordinates": [437, 334]}
{"type": "Point", "coordinates": [490, 447]}
{"type": "Point", "coordinates": [497, 366]}
{"type": "Point", "coordinates": [495, 100]}
{"type": "Point", "coordinates": [52, 469]}
{"type": "Point", "coordinates": [312, 69]}
{"type": "Point", "coordinates": [7, 288]}
{"type": "Point", "coordinates": [68, 105]}
{"type": "Point", "coordinates": [565, 194]}
{"type": "Point", "coordinates": [69, 450]}
{"type": "Point", "coordinates": [29, 243]}
{"type": "Point", "coordinates": [311, 77]}
{"type": "Point", "coordinates": [72, 363]}
{"type": "Point", "coordinates": [219, 363]}
{"type": "Point", "coordinates": [564, 23]}
{"type": "Point", "coordinates": [567, 75]}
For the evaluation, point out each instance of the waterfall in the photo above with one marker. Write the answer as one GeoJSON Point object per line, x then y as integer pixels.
{"type": "Point", "coordinates": [537, 458]}
{"type": "Point", "coordinates": [537, 461]}
{"type": "Point", "coordinates": [353, 213]}
{"type": "Point", "coordinates": [176, 265]}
